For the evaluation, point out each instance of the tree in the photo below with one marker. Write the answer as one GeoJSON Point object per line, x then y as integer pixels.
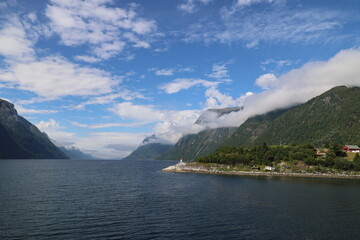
{"type": "Point", "coordinates": [356, 158]}
{"type": "Point", "coordinates": [337, 149]}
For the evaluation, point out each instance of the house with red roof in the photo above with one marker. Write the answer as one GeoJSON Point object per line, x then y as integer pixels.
{"type": "Point", "coordinates": [351, 148]}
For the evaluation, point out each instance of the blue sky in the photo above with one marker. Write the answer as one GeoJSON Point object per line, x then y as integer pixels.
{"type": "Point", "coordinates": [101, 75]}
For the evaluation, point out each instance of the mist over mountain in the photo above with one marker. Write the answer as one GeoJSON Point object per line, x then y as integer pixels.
{"type": "Point", "coordinates": [333, 116]}
{"type": "Point", "coordinates": [76, 154]}
{"type": "Point", "coordinates": [201, 143]}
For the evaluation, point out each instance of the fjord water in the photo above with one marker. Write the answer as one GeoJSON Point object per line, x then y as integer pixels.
{"type": "Point", "coordinates": [64, 199]}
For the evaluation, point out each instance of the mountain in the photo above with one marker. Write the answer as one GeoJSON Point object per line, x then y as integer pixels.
{"type": "Point", "coordinates": [195, 145]}
{"type": "Point", "coordinates": [19, 139]}
{"type": "Point", "coordinates": [203, 143]}
{"type": "Point", "coordinates": [148, 151]}
{"type": "Point", "coordinates": [76, 154]}
{"type": "Point", "coordinates": [215, 113]}
{"type": "Point", "coordinates": [152, 149]}
{"type": "Point", "coordinates": [334, 116]}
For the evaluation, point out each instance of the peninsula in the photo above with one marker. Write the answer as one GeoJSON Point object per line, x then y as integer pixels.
{"type": "Point", "coordinates": [280, 161]}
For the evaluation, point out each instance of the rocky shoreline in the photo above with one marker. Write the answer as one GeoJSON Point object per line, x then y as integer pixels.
{"type": "Point", "coordinates": [183, 167]}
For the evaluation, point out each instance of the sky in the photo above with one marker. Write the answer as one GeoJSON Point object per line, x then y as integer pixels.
{"type": "Point", "coordinates": [101, 75]}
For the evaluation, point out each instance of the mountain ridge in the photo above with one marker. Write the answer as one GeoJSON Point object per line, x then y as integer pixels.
{"type": "Point", "coordinates": [19, 139]}
{"type": "Point", "coordinates": [333, 116]}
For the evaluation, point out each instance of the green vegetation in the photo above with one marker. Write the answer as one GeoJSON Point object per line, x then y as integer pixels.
{"type": "Point", "coordinates": [331, 117]}
{"type": "Point", "coordinates": [194, 145]}
{"type": "Point", "coordinates": [356, 158]}
{"type": "Point", "coordinates": [300, 157]}
{"type": "Point", "coordinates": [334, 116]}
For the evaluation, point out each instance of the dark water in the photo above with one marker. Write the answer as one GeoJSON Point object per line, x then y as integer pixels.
{"type": "Point", "coordinates": [51, 199]}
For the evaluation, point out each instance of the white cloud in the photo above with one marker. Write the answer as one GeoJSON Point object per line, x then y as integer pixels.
{"type": "Point", "coordinates": [106, 50]}
{"type": "Point", "coordinates": [127, 110]}
{"type": "Point", "coordinates": [108, 125]}
{"type": "Point", "coordinates": [50, 125]}
{"type": "Point", "coordinates": [273, 25]}
{"type": "Point", "coordinates": [186, 83]}
{"type": "Point", "coordinates": [237, 6]}
{"type": "Point", "coordinates": [53, 129]}
{"type": "Point", "coordinates": [170, 125]}
{"type": "Point", "coordinates": [170, 71]}
{"type": "Point", "coordinates": [110, 145]}
{"type": "Point", "coordinates": [219, 71]}
{"type": "Point", "coordinates": [164, 72]}
{"type": "Point", "coordinates": [216, 99]}
{"type": "Point", "coordinates": [32, 17]}
{"type": "Point", "coordinates": [106, 29]}
{"type": "Point", "coordinates": [190, 6]}
{"type": "Point", "coordinates": [245, 3]}
{"type": "Point", "coordinates": [21, 110]}
{"type": "Point", "coordinates": [96, 144]}
{"type": "Point", "coordinates": [267, 81]}
{"type": "Point", "coordinates": [278, 63]}
{"type": "Point", "coordinates": [177, 124]}
{"type": "Point", "coordinates": [15, 44]}
{"type": "Point", "coordinates": [107, 99]}
{"type": "Point", "coordinates": [300, 85]}
{"type": "Point", "coordinates": [54, 77]}
{"type": "Point", "coordinates": [88, 59]}
{"type": "Point", "coordinates": [49, 77]}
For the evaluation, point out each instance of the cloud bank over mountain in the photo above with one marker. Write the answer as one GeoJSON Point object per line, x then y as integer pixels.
{"type": "Point", "coordinates": [299, 85]}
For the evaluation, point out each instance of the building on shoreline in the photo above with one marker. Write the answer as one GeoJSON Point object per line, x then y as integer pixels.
{"type": "Point", "coordinates": [351, 148]}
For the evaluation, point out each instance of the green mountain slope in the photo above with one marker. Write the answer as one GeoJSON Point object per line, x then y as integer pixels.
{"type": "Point", "coordinates": [195, 145]}
{"type": "Point", "coordinates": [19, 139]}
{"type": "Point", "coordinates": [331, 117]}
{"type": "Point", "coordinates": [334, 116]}
{"type": "Point", "coordinates": [148, 151]}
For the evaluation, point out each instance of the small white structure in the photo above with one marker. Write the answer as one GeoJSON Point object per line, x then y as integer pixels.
{"type": "Point", "coordinates": [269, 168]}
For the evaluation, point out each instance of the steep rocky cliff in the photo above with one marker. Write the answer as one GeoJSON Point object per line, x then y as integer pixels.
{"type": "Point", "coordinates": [19, 139]}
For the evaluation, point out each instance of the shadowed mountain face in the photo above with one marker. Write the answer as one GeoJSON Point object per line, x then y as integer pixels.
{"type": "Point", "coordinates": [19, 139]}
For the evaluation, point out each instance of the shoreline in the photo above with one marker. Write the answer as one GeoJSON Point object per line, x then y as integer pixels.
{"type": "Point", "coordinates": [186, 168]}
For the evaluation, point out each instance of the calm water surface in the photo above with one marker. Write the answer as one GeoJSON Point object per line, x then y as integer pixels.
{"type": "Point", "coordinates": [63, 199]}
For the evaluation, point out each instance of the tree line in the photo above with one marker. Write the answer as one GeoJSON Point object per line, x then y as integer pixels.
{"type": "Point", "coordinates": [270, 155]}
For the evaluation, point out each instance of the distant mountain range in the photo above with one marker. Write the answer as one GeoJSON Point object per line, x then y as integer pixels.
{"type": "Point", "coordinates": [334, 116]}
{"type": "Point", "coordinates": [19, 139]}
{"type": "Point", "coordinates": [76, 154]}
